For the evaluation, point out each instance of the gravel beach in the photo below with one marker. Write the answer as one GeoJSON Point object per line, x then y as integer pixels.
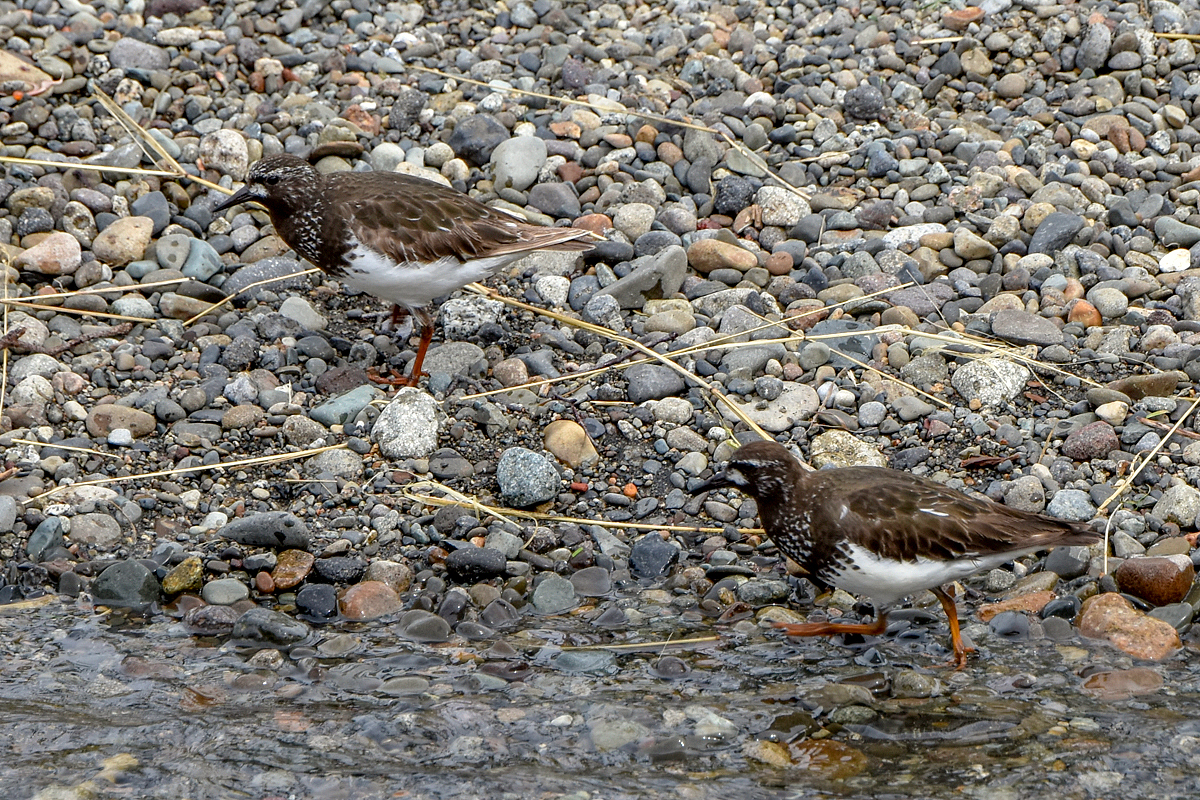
{"type": "Point", "coordinates": [958, 241]}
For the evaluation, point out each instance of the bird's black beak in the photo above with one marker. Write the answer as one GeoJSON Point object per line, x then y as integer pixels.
{"type": "Point", "coordinates": [242, 195]}
{"type": "Point", "coordinates": [718, 481]}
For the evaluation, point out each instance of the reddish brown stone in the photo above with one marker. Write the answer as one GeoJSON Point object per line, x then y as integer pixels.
{"type": "Point", "coordinates": [1096, 440]}
{"type": "Point", "coordinates": [368, 600]}
{"type": "Point", "coordinates": [1085, 314]}
{"type": "Point", "coordinates": [1159, 580]}
{"type": "Point", "coordinates": [959, 19]}
{"type": "Point", "coordinates": [1110, 616]}
{"type": "Point", "coordinates": [292, 567]}
{"type": "Point", "coordinates": [596, 223]}
{"type": "Point", "coordinates": [1121, 684]}
{"type": "Point", "coordinates": [1033, 602]}
{"type": "Point", "coordinates": [264, 582]}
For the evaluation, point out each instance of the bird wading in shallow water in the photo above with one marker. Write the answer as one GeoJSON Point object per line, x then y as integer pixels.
{"type": "Point", "coordinates": [398, 237]}
{"type": "Point", "coordinates": [883, 533]}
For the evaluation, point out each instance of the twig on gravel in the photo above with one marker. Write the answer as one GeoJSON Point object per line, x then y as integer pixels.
{"type": "Point", "coordinates": [11, 340]}
{"type": "Point", "coordinates": [89, 451]}
{"type": "Point", "coordinates": [244, 462]}
{"type": "Point", "coordinates": [246, 288]}
{"type": "Point", "coordinates": [456, 498]}
{"type": "Point", "coordinates": [1132, 476]}
{"type": "Point", "coordinates": [82, 312]}
{"type": "Point", "coordinates": [625, 340]}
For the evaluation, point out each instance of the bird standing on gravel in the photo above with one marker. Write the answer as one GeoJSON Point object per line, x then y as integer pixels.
{"type": "Point", "coordinates": [398, 237]}
{"type": "Point", "coordinates": [884, 533]}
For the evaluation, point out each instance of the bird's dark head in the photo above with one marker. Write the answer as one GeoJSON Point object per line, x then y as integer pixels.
{"type": "Point", "coordinates": [277, 182]}
{"type": "Point", "coordinates": [760, 469]}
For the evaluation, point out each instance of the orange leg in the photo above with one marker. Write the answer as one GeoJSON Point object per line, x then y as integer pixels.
{"type": "Point", "coordinates": [875, 628]}
{"type": "Point", "coordinates": [414, 376]}
{"type": "Point", "coordinates": [960, 651]}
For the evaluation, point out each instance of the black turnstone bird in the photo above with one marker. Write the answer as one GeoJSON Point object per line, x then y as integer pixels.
{"type": "Point", "coordinates": [398, 237]}
{"type": "Point", "coordinates": [884, 533]}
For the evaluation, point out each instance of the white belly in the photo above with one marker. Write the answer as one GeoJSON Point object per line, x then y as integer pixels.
{"type": "Point", "coordinates": [414, 285]}
{"type": "Point", "coordinates": [887, 581]}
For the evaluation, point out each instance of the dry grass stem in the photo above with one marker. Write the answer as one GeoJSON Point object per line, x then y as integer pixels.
{"type": "Point", "coordinates": [1124, 485]}
{"type": "Point", "coordinates": [89, 451]}
{"type": "Point", "coordinates": [248, 287]}
{"type": "Point", "coordinates": [38, 162]}
{"type": "Point", "coordinates": [245, 462]}
{"type": "Point", "coordinates": [630, 343]}
{"type": "Point", "coordinates": [456, 498]}
{"type": "Point", "coordinates": [82, 312]}
{"type": "Point", "coordinates": [649, 647]}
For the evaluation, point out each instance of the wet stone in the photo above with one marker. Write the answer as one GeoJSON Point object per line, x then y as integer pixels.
{"type": "Point", "coordinates": [339, 569]}
{"type": "Point", "coordinates": [592, 582]}
{"type": "Point", "coordinates": [470, 564]}
{"type": "Point", "coordinates": [126, 584]}
{"type": "Point", "coordinates": [225, 592]}
{"type": "Point", "coordinates": [209, 620]}
{"type": "Point", "coordinates": [554, 595]}
{"type": "Point", "coordinates": [317, 600]}
{"type": "Point", "coordinates": [269, 627]}
{"type": "Point", "coordinates": [292, 568]}
{"type": "Point", "coordinates": [422, 626]}
{"type": "Point", "coordinates": [1159, 580]}
{"type": "Point", "coordinates": [651, 556]}
{"type": "Point", "coordinates": [368, 600]}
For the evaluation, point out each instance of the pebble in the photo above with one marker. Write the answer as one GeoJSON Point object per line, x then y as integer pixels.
{"type": "Point", "coordinates": [1061, 220]}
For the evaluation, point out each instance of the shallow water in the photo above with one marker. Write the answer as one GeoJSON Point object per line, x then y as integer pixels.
{"type": "Point", "coordinates": [105, 706]}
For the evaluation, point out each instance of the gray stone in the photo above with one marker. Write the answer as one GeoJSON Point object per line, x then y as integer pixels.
{"type": "Point", "coordinates": [1021, 327]}
{"type": "Point", "coordinates": [517, 161]}
{"type": "Point", "coordinates": [1071, 504]}
{"type": "Point", "coordinates": [224, 592]}
{"type": "Point", "coordinates": [991, 381]}
{"type": "Point", "coordinates": [407, 427]}
{"type": "Point", "coordinates": [126, 584]}
{"type": "Point", "coordinates": [280, 530]}
{"type": "Point", "coordinates": [654, 276]}
{"type": "Point", "coordinates": [652, 382]}
{"type": "Point", "coordinates": [261, 625]}
{"type": "Point", "coordinates": [526, 478]}
{"type": "Point", "coordinates": [554, 594]}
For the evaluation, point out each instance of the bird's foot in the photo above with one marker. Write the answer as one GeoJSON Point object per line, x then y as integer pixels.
{"type": "Point", "coordinates": [395, 379]}
{"type": "Point", "coordinates": [958, 660]}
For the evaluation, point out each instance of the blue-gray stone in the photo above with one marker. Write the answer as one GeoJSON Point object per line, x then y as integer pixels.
{"type": "Point", "coordinates": [652, 382]}
{"type": "Point", "coordinates": [202, 261]}
{"type": "Point", "coordinates": [47, 535]}
{"type": "Point", "coordinates": [651, 556]}
{"type": "Point", "coordinates": [1055, 232]}
{"type": "Point", "coordinates": [554, 594]}
{"type": "Point", "coordinates": [278, 267]}
{"type": "Point", "coordinates": [1172, 232]}
{"type": "Point", "coordinates": [345, 407]}
{"type": "Point", "coordinates": [317, 600]}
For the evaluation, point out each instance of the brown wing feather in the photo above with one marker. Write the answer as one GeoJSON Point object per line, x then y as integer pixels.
{"type": "Point", "coordinates": [902, 516]}
{"type": "Point", "coordinates": [412, 219]}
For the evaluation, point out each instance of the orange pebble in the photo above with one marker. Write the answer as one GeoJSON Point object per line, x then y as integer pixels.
{"type": "Point", "coordinates": [630, 490]}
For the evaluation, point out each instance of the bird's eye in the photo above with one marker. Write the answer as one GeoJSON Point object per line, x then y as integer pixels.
{"type": "Point", "coordinates": [271, 179]}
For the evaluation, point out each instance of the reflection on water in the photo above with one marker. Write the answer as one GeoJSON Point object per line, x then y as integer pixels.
{"type": "Point", "coordinates": [92, 707]}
